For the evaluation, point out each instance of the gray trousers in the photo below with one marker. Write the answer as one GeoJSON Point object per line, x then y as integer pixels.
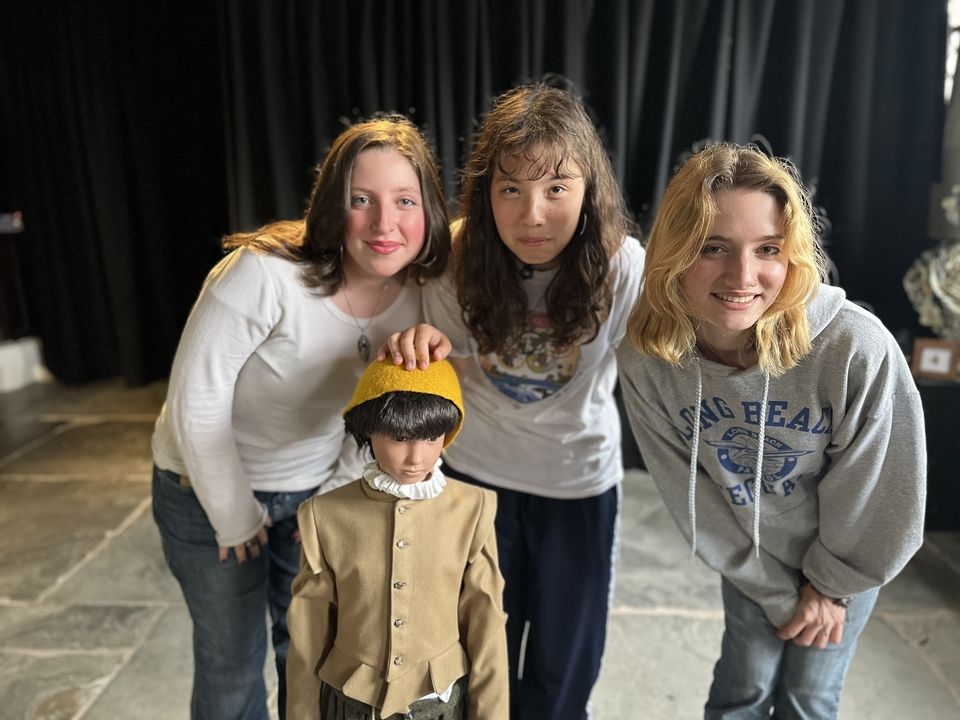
{"type": "Point", "coordinates": [334, 705]}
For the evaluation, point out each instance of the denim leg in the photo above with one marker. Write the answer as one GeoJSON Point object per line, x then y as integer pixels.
{"type": "Point", "coordinates": [745, 675]}
{"type": "Point", "coordinates": [811, 679]}
{"type": "Point", "coordinates": [283, 553]}
{"type": "Point", "coordinates": [227, 602]}
{"type": "Point", "coordinates": [757, 671]}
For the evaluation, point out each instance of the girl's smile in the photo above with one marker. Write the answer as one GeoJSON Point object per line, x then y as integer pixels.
{"type": "Point", "coordinates": [740, 271]}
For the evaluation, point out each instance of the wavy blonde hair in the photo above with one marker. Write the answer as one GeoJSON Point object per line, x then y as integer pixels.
{"type": "Point", "coordinates": [662, 324]}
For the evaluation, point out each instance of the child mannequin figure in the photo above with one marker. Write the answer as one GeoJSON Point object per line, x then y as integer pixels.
{"type": "Point", "coordinates": [398, 607]}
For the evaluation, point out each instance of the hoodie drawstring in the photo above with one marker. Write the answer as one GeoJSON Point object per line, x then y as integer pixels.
{"type": "Point", "coordinates": [757, 470]}
{"type": "Point", "coordinates": [694, 451]}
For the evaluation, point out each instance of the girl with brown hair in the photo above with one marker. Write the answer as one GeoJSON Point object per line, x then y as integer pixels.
{"type": "Point", "coordinates": [280, 333]}
{"type": "Point", "coordinates": [543, 279]}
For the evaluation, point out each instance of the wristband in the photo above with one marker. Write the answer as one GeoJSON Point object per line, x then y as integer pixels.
{"type": "Point", "coordinates": [843, 602]}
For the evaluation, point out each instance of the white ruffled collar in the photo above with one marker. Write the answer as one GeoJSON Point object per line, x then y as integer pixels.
{"type": "Point", "coordinates": [423, 490]}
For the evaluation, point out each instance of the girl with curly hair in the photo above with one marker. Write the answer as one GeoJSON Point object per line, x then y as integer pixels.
{"type": "Point", "coordinates": [543, 278]}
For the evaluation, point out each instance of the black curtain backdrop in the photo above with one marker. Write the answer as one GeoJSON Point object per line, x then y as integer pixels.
{"type": "Point", "coordinates": [134, 136]}
{"type": "Point", "coordinates": [113, 147]}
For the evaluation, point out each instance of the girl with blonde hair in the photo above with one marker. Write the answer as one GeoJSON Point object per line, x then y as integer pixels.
{"type": "Point", "coordinates": [781, 425]}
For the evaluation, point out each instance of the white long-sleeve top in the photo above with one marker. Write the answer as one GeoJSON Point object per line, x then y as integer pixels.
{"type": "Point", "coordinates": [263, 371]}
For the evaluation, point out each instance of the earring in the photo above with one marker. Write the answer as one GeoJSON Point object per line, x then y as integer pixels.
{"type": "Point", "coordinates": [583, 223]}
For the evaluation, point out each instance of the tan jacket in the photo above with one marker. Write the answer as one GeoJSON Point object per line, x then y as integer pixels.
{"type": "Point", "coordinates": [396, 599]}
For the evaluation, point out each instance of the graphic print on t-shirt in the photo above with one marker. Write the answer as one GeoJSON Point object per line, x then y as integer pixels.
{"type": "Point", "coordinates": [534, 368]}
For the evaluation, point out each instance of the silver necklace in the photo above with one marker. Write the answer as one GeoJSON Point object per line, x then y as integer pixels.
{"type": "Point", "coordinates": [363, 342]}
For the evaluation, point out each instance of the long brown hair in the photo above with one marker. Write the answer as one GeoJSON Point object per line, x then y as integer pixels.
{"type": "Point", "coordinates": [662, 324]}
{"type": "Point", "coordinates": [317, 240]}
{"type": "Point", "coordinates": [551, 128]}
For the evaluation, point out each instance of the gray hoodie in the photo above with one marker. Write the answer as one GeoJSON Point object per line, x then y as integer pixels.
{"type": "Point", "coordinates": [842, 450]}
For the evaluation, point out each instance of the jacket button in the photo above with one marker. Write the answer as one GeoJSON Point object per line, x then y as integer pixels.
{"type": "Point", "coordinates": [398, 660]}
{"type": "Point", "coordinates": [402, 543]}
{"type": "Point", "coordinates": [399, 584]}
{"type": "Point", "coordinates": [402, 509]}
{"type": "Point", "coordinates": [398, 622]}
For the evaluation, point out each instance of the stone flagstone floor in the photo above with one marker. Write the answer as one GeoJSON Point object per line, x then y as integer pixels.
{"type": "Point", "coordinates": [93, 626]}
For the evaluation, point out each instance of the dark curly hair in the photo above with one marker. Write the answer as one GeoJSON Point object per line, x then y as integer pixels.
{"type": "Point", "coordinates": [550, 128]}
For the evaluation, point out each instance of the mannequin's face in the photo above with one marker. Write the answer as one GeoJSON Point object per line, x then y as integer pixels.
{"type": "Point", "coordinates": [406, 460]}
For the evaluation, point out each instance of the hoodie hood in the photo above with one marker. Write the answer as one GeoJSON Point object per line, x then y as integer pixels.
{"type": "Point", "coordinates": [824, 308]}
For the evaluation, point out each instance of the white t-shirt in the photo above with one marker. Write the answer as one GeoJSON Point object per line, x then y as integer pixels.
{"type": "Point", "coordinates": [263, 371]}
{"type": "Point", "coordinates": [538, 421]}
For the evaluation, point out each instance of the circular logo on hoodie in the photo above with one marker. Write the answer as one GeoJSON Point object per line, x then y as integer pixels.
{"type": "Point", "coordinates": [737, 452]}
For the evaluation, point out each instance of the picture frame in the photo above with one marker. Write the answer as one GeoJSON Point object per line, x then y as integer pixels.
{"type": "Point", "coordinates": [935, 359]}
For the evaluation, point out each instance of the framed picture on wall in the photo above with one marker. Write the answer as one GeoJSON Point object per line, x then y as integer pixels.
{"type": "Point", "coordinates": [935, 359]}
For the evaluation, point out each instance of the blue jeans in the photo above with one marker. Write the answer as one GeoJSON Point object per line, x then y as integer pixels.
{"type": "Point", "coordinates": [757, 672]}
{"type": "Point", "coordinates": [228, 601]}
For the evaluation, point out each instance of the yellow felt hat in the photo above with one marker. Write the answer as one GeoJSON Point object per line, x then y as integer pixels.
{"type": "Point", "coordinates": [382, 377]}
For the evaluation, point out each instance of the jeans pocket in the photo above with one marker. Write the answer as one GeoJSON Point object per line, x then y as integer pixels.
{"type": "Point", "coordinates": [177, 511]}
{"type": "Point", "coordinates": [169, 477]}
{"type": "Point", "coordinates": [284, 505]}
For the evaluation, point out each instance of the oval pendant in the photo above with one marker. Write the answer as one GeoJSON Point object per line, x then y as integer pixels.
{"type": "Point", "coordinates": [363, 347]}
